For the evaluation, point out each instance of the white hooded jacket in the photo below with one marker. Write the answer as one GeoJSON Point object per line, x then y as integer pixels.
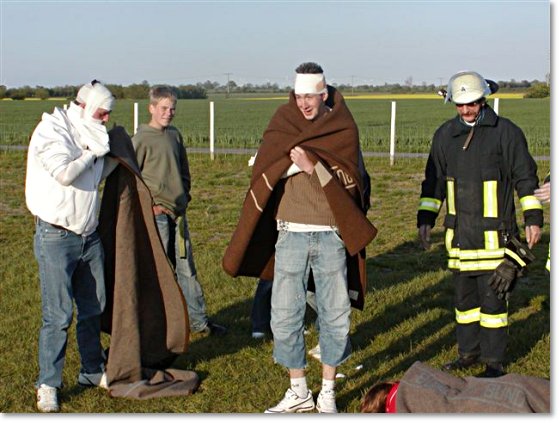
{"type": "Point", "coordinates": [64, 172]}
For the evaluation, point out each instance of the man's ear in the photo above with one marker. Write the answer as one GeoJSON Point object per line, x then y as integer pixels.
{"type": "Point", "coordinates": [324, 96]}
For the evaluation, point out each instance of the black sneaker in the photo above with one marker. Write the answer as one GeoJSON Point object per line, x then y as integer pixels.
{"type": "Point", "coordinates": [461, 363]}
{"type": "Point", "coordinates": [493, 370]}
{"type": "Point", "coordinates": [214, 329]}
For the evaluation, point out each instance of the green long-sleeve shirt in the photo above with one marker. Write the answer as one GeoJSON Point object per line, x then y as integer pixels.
{"type": "Point", "coordinates": [164, 164]}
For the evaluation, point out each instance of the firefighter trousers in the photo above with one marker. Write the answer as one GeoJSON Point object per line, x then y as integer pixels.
{"type": "Point", "coordinates": [482, 319]}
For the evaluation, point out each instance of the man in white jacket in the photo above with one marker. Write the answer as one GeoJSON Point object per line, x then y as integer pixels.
{"type": "Point", "coordinates": [64, 169]}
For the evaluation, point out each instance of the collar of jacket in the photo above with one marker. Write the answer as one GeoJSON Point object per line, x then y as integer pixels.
{"type": "Point", "coordinates": [490, 118]}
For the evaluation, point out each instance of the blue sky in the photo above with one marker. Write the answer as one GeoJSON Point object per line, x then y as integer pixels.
{"type": "Point", "coordinates": [180, 42]}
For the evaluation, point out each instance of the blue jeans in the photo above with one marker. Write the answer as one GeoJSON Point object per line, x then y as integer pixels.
{"type": "Point", "coordinates": [70, 269]}
{"type": "Point", "coordinates": [260, 312]}
{"type": "Point", "coordinates": [184, 267]}
{"type": "Point", "coordinates": [297, 253]}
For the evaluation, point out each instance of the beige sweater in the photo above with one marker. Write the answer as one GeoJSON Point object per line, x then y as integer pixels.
{"type": "Point", "coordinates": [304, 201]}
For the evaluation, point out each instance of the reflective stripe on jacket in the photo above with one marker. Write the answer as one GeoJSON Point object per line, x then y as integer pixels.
{"type": "Point", "coordinates": [478, 184]}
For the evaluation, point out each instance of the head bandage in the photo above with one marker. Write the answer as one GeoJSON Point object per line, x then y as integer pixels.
{"type": "Point", "coordinates": [310, 83]}
{"type": "Point", "coordinates": [83, 93]}
{"type": "Point", "coordinates": [97, 96]}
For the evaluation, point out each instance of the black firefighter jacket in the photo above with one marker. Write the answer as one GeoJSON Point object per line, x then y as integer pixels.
{"type": "Point", "coordinates": [477, 184]}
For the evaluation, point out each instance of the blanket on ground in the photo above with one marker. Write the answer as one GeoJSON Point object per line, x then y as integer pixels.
{"type": "Point", "coordinates": [332, 143]}
{"type": "Point", "coordinates": [146, 314]}
{"type": "Point", "coordinates": [423, 389]}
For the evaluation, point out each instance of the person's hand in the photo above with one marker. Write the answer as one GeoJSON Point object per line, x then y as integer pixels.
{"type": "Point", "coordinates": [543, 193]}
{"type": "Point", "coordinates": [159, 209]}
{"type": "Point", "coordinates": [532, 235]}
{"type": "Point", "coordinates": [424, 235]}
{"type": "Point", "coordinates": [300, 158]}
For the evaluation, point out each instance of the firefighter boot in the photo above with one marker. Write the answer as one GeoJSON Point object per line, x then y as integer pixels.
{"type": "Point", "coordinates": [463, 362]}
{"type": "Point", "coordinates": [493, 370]}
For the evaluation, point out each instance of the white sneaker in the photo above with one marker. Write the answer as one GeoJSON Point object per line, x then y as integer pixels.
{"type": "Point", "coordinates": [291, 403]}
{"type": "Point", "coordinates": [326, 402]}
{"type": "Point", "coordinates": [47, 399]}
{"type": "Point", "coordinates": [93, 379]}
{"type": "Point", "coordinates": [258, 335]}
{"type": "Point", "coordinates": [315, 352]}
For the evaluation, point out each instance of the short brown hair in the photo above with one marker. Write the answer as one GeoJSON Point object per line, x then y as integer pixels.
{"type": "Point", "coordinates": [160, 92]}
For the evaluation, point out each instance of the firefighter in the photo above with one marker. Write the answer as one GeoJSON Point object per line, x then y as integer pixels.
{"type": "Point", "coordinates": [476, 161]}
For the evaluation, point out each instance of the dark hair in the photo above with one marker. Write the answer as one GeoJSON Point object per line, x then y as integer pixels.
{"type": "Point", "coordinates": [309, 67]}
{"type": "Point", "coordinates": [374, 399]}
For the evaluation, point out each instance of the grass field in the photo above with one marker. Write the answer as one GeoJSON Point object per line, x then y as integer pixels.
{"type": "Point", "coordinates": [408, 314]}
{"type": "Point", "coordinates": [240, 121]}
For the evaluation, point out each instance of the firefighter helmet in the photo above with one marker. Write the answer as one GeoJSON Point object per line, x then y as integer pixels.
{"type": "Point", "coordinates": [466, 87]}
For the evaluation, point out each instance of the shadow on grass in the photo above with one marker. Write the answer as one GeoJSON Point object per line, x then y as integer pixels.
{"type": "Point", "coordinates": [237, 319]}
{"type": "Point", "coordinates": [405, 262]}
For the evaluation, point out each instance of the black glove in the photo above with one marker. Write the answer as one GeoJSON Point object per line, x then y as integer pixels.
{"type": "Point", "coordinates": [517, 257]}
{"type": "Point", "coordinates": [503, 279]}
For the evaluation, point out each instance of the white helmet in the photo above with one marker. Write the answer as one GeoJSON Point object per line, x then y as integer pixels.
{"type": "Point", "coordinates": [466, 86]}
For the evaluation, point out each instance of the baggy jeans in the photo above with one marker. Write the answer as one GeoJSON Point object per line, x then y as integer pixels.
{"type": "Point", "coordinates": [297, 254]}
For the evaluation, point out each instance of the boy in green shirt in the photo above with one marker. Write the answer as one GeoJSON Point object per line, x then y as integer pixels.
{"type": "Point", "coordinates": [164, 164]}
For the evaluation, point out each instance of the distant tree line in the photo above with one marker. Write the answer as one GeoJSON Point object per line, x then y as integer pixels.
{"type": "Point", "coordinates": [133, 91]}
{"type": "Point", "coordinates": [200, 90]}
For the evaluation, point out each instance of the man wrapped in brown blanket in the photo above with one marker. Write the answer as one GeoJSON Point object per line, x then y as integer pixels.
{"type": "Point", "coordinates": [334, 147]}
{"type": "Point", "coordinates": [303, 224]}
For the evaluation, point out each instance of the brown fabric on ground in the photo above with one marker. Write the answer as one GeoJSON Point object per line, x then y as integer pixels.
{"type": "Point", "coordinates": [423, 389]}
{"type": "Point", "coordinates": [146, 314]}
{"type": "Point", "coordinates": [158, 383]}
{"type": "Point", "coordinates": [333, 145]}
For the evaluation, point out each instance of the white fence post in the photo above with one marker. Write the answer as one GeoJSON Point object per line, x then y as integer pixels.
{"type": "Point", "coordinates": [392, 146]}
{"type": "Point", "coordinates": [211, 130]}
{"type": "Point", "coordinates": [135, 118]}
{"type": "Point", "coordinates": [497, 105]}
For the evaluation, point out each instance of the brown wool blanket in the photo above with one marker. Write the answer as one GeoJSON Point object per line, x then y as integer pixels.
{"type": "Point", "coordinates": [423, 389]}
{"type": "Point", "coordinates": [146, 314]}
{"type": "Point", "coordinates": [332, 143]}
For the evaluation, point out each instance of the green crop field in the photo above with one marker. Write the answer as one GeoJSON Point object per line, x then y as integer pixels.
{"type": "Point", "coordinates": [240, 121]}
{"type": "Point", "coordinates": [408, 314]}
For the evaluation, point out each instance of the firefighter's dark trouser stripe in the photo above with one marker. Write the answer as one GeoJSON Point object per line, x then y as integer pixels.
{"type": "Point", "coordinates": [481, 317]}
